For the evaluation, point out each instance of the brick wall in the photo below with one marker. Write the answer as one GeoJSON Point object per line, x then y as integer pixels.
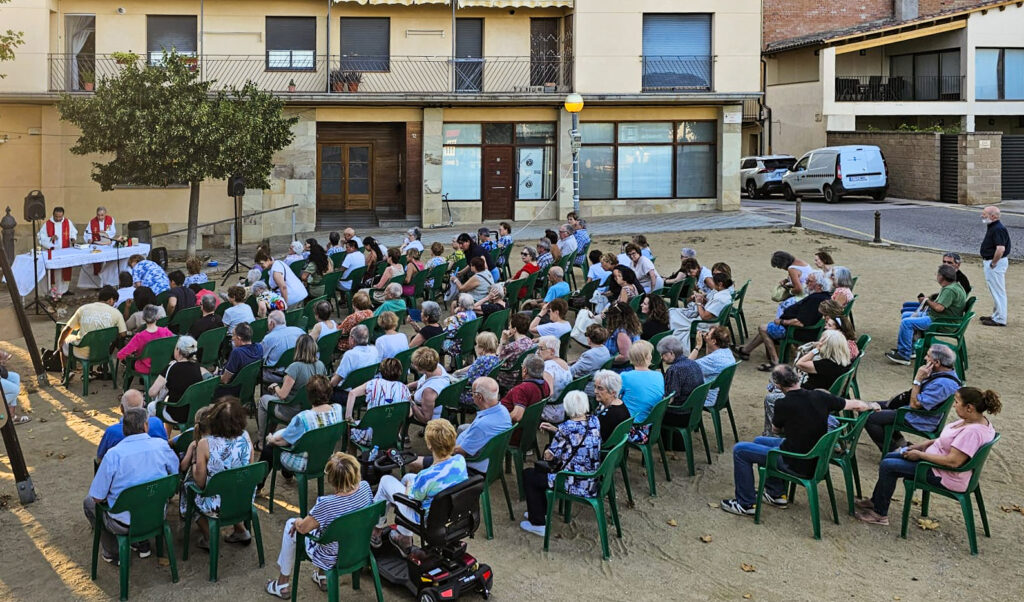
{"type": "Point", "coordinates": [784, 19]}
{"type": "Point", "coordinates": [912, 157]}
{"type": "Point", "coordinates": [981, 167]}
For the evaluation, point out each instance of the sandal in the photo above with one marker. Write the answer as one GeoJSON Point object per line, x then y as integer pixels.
{"type": "Point", "coordinates": [320, 580]}
{"type": "Point", "coordinates": [375, 539]}
{"type": "Point", "coordinates": [740, 353]}
{"type": "Point", "coordinates": [279, 590]}
{"type": "Point", "coordinates": [22, 419]}
{"type": "Point", "coordinates": [401, 542]}
{"type": "Point", "coordinates": [766, 367]}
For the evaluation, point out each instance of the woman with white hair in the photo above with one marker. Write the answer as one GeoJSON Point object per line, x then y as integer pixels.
{"type": "Point", "coordinates": [430, 327]}
{"type": "Point", "coordinates": [297, 249]}
{"type": "Point", "coordinates": [494, 301]}
{"type": "Point", "coordinates": [462, 313]}
{"type": "Point", "coordinates": [575, 447]}
{"type": "Point", "coordinates": [183, 372]}
{"type": "Point", "coordinates": [556, 371]}
{"type": "Point", "coordinates": [607, 390]}
{"type": "Point", "coordinates": [642, 388]}
{"type": "Point", "coordinates": [842, 281]}
{"type": "Point", "coordinates": [412, 241]}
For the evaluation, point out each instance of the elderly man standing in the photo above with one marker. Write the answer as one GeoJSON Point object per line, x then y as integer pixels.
{"type": "Point", "coordinates": [114, 434]}
{"type": "Point", "coordinates": [280, 338]}
{"type": "Point", "coordinates": [948, 303]}
{"type": "Point", "coordinates": [581, 235]}
{"type": "Point", "coordinates": [934, 382]}
{"type": "Point", "coordinates": [995, 250]}
{"type": "Point", "coordinates": [138, 458]}
{"type": "Point", "coordinates": [58, 233]}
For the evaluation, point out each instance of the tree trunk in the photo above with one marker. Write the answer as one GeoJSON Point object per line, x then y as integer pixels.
{"type": "Point", "coordinates": [193, 219]}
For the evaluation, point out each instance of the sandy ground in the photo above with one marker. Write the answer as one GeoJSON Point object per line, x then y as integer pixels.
{"type": "Point", "coordinates": [46, 545]}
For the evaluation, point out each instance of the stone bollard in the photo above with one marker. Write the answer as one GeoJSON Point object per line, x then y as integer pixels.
{"type": "Point", "coordinates": [7, 224]}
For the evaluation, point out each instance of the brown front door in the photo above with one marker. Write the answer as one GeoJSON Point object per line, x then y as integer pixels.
{"type": "Point", "coordinates": [499, 181]}
{"type": "Point", "coordinates": [345, 177]}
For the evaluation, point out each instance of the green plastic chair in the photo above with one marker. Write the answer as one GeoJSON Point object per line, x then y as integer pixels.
{"type": "Point", "coordinates": [436, 343]}
{"type": "Point", "coordinates": [286, 359]}
{"type": "Point", "coordinates": [221, 308]}
{"type": "Point", "coordinates": [159, 351]}
{"type": "Point", "coordinates": [183, 319]}
{"type": "Point", "coordinates": [259, 330]}
{"type": "Point", "coordinates": [845, 455]}
{"type": "Point", "coordinates": [358, 377]}
{"type": "Point", "coordinates": [528, 424]}
{"type": "Point", "coordinates": [405, 358]}
{"type": "Point", "coordinates": [450, 400]}
{"type": "Point", "coordinates": [512, 289]}
{"type": "Point", "coordinates": [327, 346]}
{"type": "Point", "coordinates": [900, 423]}
{"type": "Point", "coordinates": [467, 335]}
{"type": "Point", "coordinates": [295, 318]}
{"type": "Point", "coordinates": [723, 382]}
{"type": "Point", "coordinates": [721, 320]}
{"type": "Point", "coordinates": [494, 452]}
{"type": "Point", "coordinates": [209, 285]}
{"type": "Point", "coordinates": [298, 266]}
{"type": "Point", "coordinates": [236, 488]}
{"type": "Point", "coordinates": [655, 356]}
{"type": "Point", "coordinates": [146, 502]}
{"type": "Point", "coordinates": [680, 290]}
{"type": "Point", "coordinates": [954, 339]}
{"type": "Point", "coordinates": [419, 283]}
{"type": "Point", "coordinates": [579, 384]}
{"type": "Point", "coordinates": [654, 420]}
{"type": "Point", "coordinates": [536, 281]}
{"type": "Point", "coordinates": [330, 284]}
{"type": "Point", "coordinates": [251, 299]}
{"type": "Point", "coordinates": [209, 345]}
{"type": "Point", "coordinates": [737, 316]}
{"type": "Point", "coordinates": [862, 344]}
{"type": "Point", "coordinates": [438, 282]}
{"type": "Point", "coordinates": [822, 453]}
{"type": "Point", "coordinates": [496, 322]}
{"type": "Point", "coordinates": [795, 337]}
{"type": "Point", "coordinates": [920, 481]}
{"type": "Point", "coordinates": [318, 445]}
{"type": "Point", "coordinates": [695, 405]}
{"type": "Point", "coordinates": [299, 399]}
{"type": "Point", "coordinates": [387, 422]}
{"type": "Point", "coordinates": [371, 325]}
{"type": "Point", "coordinates": [246, 379]}
{"type": "Point", "coordinates": [161, 299]}
{"type": "Point", "coordinates": [99, 343]}
{"type": "Point", "coordinates": [197, 395]}
{"type": "Point", "coordinates": [355, 278]}
{"type": "Point", "coordinates": [351, 531]}
{"type": "Point", "coordinates": [605, 475]}
{"type": "Point", "coordinates": [310, 307]}
{"type": "Point", "coordinates": [505, 266]}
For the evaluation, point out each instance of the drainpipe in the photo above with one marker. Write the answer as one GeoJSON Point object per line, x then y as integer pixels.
{"type": "Point", "coordinates": [765, 112]}
{"type": "Point", "coordinates": [202, 34]}
{"type": "Point", "coordinates": [455, 4]}
{"type": "Point", "coordinates": [327, 59]}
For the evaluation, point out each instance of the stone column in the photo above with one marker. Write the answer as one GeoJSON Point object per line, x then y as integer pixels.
{"type": "Point", "coordinates": [981, 168]}
{"type": "Point", "coordinates": [730, 147]}
{"type": "Point", "coordinates": [433, 159]}
{"type": "Point", "coordinates": [563, 168]}
{"type": "Point", "coordinates": [292, 181]}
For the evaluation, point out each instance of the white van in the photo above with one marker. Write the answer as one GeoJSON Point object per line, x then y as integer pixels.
{"type": "Point", "coordinates": [838, 171]}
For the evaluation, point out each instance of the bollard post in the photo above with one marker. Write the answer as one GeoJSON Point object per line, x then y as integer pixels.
{"type": "Point", "coordinates": [878, 227]}
{"type": "Point", "coordinates": [796, 223]}
{"type": "Point", "coordinates": [7, 224]}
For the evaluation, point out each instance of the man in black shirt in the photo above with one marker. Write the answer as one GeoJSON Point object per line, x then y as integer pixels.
{"type": "Point", "coordinates": [802, 314]}
{"type": "Point", "coordinates": [952, 258]}
{"type": "Point", "coordinates": [179, 297]}
{"type": "Point", "coordinates": [209, 319]}
{"type": "Point", "coordinates": [472, 249]}
{"type": "Point", "coordinates": [995, 249]}
{"type": "Point", "coordinates": [801, 416]}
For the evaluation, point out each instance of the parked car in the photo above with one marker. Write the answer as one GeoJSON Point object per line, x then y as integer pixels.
{"type": "Point", "coordinates": [838, 171]}
{"type": "Point", "coordinates": [761, 176]}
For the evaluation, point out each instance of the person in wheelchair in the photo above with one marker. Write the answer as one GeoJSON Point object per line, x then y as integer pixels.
{"type": "Point", "coordinates": [446, 470]}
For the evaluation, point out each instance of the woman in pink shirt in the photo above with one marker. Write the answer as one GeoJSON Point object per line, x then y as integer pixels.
{"type": "Point", "coordinates": [151, 332]}
{"type": "Point", "coordinates": [956, 445]}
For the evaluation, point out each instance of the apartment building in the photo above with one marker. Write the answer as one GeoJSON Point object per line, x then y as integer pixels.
{"type": "Point", "coordinates": [413, 110]}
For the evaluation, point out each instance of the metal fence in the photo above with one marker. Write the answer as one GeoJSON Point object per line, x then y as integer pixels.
{"type": "Point", "coordinates": [678, 73]}
{"type": "Point", "coordinates": [893, 88]}
{"type": "Point", "coordinates": [322, 74]}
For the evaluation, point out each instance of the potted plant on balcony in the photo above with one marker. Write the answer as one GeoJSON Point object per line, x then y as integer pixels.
{"type": "Point", "coordinates": [124, 58]}
{"type": "Point", "coordinates": [291, 85]}
{"type": "Point", "coordinates": [337, 81]}
{"type": "Point", "coordinates": [191, 62]}
{"type": "Point", "coordinates": [88, 79]}
{"type": "Point", "coordinates": [352, 80]}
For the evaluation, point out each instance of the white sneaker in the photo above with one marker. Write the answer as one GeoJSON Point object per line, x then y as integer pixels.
{"type": "Point", "coordinates": [532, 528]}
{"type": "Point", "coordinates": [526, 516]}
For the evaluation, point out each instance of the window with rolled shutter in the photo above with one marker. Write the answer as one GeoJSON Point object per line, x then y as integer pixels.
{"type": "Point", "coordinates": [170, 32]}
{"type": "Point", "coordinates": [365, 44]}
{"type": "Point", "coordinates": [677, 51]}
{"type": "Point", "coordinates": [291, 43]}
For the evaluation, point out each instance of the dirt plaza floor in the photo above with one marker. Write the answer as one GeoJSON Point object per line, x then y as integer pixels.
{"type": "Point", "coordinates": [662, 553]}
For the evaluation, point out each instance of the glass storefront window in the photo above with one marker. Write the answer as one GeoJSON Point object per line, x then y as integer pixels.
{"type": "Point", "coordinates": [696, 131]}
{"type": "Point", "coordinates": [645, 172]}
{"type": "Point", "coordinates": [597, 133]}
{"type": "Point", "coordinates": [597, 172]}
{"type": "Point", "coordinates": [462, 133]}
{"type": "Point", "coordinates": [499, 133]}
{"type": "Point", "coordinates": [460, 173]}
{"type": "Point", "coordinates": [696, 171]}
{"type": "Point", "coordinates": [535, 133]}
{"type": "Point", "coordinates": [638, 133]}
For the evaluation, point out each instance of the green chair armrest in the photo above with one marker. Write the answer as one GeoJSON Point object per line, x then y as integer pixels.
{"type": "Point", "coordinates": [901, 414]}
{"type": "Point", "coordinates": [774, 455]}
{"type": "Point", "coordinates": [565, 474]}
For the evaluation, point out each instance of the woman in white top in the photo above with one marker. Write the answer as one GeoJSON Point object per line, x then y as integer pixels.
{"type": "Point", "coordinates": [797, 271]}
{"type": "Point", "coordinates": [412, 241]}
{"type": "Point", "coordinates": [297, 247]}
{"type": "Point", "coordinates": [282, 279]}
{"type": "Point", "coordinates": [556, 372]}
{"type": "Point", "coordinates": [392, 342]}
{"type": "Point", "coordinates": [324, 324]}
{"type": "Point", "coordinates": [385, 389]}
{"type": "Point", "coordinates": [644, 269]}
{"type": "Point", "coordinates": [432, 381]}
{"type": "Point", "coordinates": [394, 269]}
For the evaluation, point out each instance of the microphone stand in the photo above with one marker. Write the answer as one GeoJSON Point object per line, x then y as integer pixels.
{"type": "Point", "coordinates": [36, 304]}
{"type": "Point", "coordinates": [237, 265]}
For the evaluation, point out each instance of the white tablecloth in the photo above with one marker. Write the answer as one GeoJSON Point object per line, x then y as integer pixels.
{"type": "Point", "coordinates": [68, 258]}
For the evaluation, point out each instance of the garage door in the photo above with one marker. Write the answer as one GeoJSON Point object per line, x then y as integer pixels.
{"type": "Point", "coordinates": [1013, 168]}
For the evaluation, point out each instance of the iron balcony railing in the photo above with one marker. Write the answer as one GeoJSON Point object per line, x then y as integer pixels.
{"type": "Point", "coordinates": [894, 88]}
{"type": "Point", "coordinates": [678, 73]}
{"type": "Point", "coordinates": [321, 74]}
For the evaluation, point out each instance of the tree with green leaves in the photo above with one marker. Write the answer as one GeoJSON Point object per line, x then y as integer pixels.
{"type": "Point", "coordinates": [162, 125]}
{"type": "Point", "coordinates": [9, 40]}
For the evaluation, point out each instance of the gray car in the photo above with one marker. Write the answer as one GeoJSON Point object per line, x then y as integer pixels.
{"type": "Point", "coordinates": [762, 176]}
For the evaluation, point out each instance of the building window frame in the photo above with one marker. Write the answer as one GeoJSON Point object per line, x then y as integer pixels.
{"type": "Point", "coordinates": [154, 58]}
{"type": "Point", "coordinates": [1001, 75]}
{"type": "Point", "coordinates": [297, 59]}
{"type": "Point", "coordinates": [518, 143]}
{"type": "Point", "coordinates": [371, 63]}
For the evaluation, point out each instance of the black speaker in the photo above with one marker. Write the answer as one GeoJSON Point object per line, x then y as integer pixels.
{"type": "Point", "coordinates": [35, 206]}
{"type": "Point", "coordinates": [236, 186]}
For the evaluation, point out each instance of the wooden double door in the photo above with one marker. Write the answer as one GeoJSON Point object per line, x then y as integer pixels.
{"type": "Point", "coordinates": [345, 178]}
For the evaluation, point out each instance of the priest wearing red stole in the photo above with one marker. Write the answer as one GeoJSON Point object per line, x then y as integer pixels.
{"type": "Point", "coordinates": [101, 231]}
{"type": "Point", "coordinates": [58, 233]}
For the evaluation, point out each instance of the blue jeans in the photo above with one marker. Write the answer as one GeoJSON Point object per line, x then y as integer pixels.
{"type": "Point", "coordinates": [890, 471]}
{"type": "Point", "coordinates": [909, 306]}
{"type": "Point", "coordinates": [744, 455]}
{"type": "Point", "coordinates": [909, 323]}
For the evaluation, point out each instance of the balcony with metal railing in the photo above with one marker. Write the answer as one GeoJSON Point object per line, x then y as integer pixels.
{"type": "Point", "coordinates": [678, 73]}
{"type": "Point", "coordinates": [363, 75]}
{"type": "Point", "coordinates": [895, 88]}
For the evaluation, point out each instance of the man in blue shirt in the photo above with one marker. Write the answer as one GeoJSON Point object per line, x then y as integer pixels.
{"type": "Point", "coordinates": [280, 338]}
{"type": "Point", "coordinates": [557, 288]}
{"type": "Point", "coordinates": [243, 353]}
{"type": "Point", "coordinates": [114, 434]}
{"type": "Point", "coordinates": [138, 458]}
{"type": "Point", "coordinates": [491, 419]}
{"type": "Point", "coordinates": [360, 355]}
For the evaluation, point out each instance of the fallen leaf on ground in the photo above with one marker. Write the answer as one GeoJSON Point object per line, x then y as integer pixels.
{"type": "Point", "coordinates": [748, 568]}
{"type": "Point", "coordinates": [896, 598]}
{"type": "Point", "coordinates": [672, 522]}
{"type": "Point", "coordinates": [705, 538]}
{"type": "Point", "coordinates": [61, 456]}
{"type": "Point", "coordinates": [915, 502]}
{"type": "Point", "coordinates": [163, 561]}
{"type": "Point", "coordinates": [747, 596]}
{"type": "Point", "coordinates": [1012, 508]}
{"type": "Point", "coordinates": [43, 420]}
{"type": "Point", "coordinates": [64, 438]}
{"type": "Point", "coordinates": [928, 524]}
{"type": "Point", "coordinates": [712, 505]}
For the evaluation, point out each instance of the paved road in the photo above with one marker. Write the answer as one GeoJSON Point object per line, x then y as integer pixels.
{"type": "Point", "coordinates": [921, 223]}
